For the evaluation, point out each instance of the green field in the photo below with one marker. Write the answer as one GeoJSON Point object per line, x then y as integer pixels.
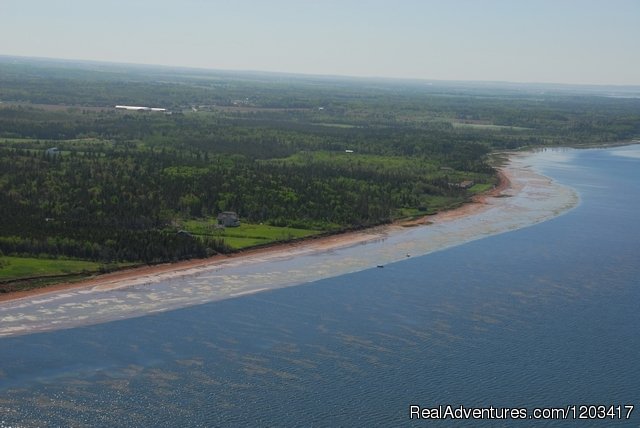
{"type": "Point", "coordinates": [481, 187]}
{"type": "Point", "coordinates": [336, 125]}
{"type": "Point", "coordinates": [487, 126]}
{"type": "Point", "coordinates": [22, 267]}
{"type": "Point", "coordinates": [246, 235]}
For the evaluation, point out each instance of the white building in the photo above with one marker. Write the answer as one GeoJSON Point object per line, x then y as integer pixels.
{"type": "Point", "coordinates": [140, 108]}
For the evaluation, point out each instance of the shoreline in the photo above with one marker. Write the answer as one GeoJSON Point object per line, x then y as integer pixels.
{"type": "Point", "coordinates": [524, 197]}
{"type": "Point", "coordinates": [133, 276]}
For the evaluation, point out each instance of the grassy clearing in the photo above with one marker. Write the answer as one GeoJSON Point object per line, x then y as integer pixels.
{"type": "Point", "coordinates": [21, 267]}
{"type": "Point", "coordinates": [481, 187]}
{"type": "Point", "coordinates": [246, 235]}
{"type": "Point", "coordinates": [487, 126]}
{"type": "Point", "coordinates": [18, 140]}
{"type": "Point", "coordinates": [335, 125]}
{"type": "Point", "coordinates": [238, 243]}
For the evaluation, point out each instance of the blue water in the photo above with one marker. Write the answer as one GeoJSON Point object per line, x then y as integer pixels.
{"type": "Point", "coordinates": [543, 316]}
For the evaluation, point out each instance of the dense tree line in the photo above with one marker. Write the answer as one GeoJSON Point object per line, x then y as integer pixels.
{"type": "Point", "coordinates": [98, 204]}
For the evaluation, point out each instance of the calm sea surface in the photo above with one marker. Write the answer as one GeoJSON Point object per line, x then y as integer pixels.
{"type": "Point", "coordinates": [547, 315]}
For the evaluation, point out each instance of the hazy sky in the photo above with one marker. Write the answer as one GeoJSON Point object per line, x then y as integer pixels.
{"type": "Point", "coordinates": [563, 41]}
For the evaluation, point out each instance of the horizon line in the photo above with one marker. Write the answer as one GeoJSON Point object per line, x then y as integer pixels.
{"type": "Point", "coordinates": [423, 80]}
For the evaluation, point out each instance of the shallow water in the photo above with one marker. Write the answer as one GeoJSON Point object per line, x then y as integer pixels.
{"type": "Point", "coordinates": [541, 316]}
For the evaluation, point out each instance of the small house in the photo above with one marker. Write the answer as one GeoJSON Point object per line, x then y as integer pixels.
{"type": "Point", "coordinates": [53, 151]}
{"type": "Point", "coordinates": [228, 219]}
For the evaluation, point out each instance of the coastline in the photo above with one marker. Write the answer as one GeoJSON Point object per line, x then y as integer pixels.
{"type": "Point", "coordinates": [126, 277]}
{"type": "Point", "coordinates": [524, 197]}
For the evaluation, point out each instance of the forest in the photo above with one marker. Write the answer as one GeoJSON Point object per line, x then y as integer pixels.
{"type": "Point", "coordinates": [81, 180]}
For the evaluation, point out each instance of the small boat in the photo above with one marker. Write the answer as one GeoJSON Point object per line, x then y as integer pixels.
{"type": "Point", "coordinates": [380, 266]}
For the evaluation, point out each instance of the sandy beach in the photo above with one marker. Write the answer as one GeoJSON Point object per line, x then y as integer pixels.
{"type": "Point", "coordinates": [522, 198]}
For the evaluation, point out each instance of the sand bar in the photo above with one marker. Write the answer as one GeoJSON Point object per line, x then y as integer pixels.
{"type": "Point", "coordinates": [525, 197]}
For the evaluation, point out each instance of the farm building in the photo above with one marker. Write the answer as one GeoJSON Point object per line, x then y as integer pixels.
{"type": "Point", "coordinates": [228, 219]}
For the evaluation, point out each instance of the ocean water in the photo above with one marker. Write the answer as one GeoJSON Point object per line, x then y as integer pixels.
{"type": "Point", "coordinates": [543, 316]}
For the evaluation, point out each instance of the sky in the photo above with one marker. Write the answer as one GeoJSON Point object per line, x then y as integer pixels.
{"type": "Point", "coordinates": [546, 41]}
